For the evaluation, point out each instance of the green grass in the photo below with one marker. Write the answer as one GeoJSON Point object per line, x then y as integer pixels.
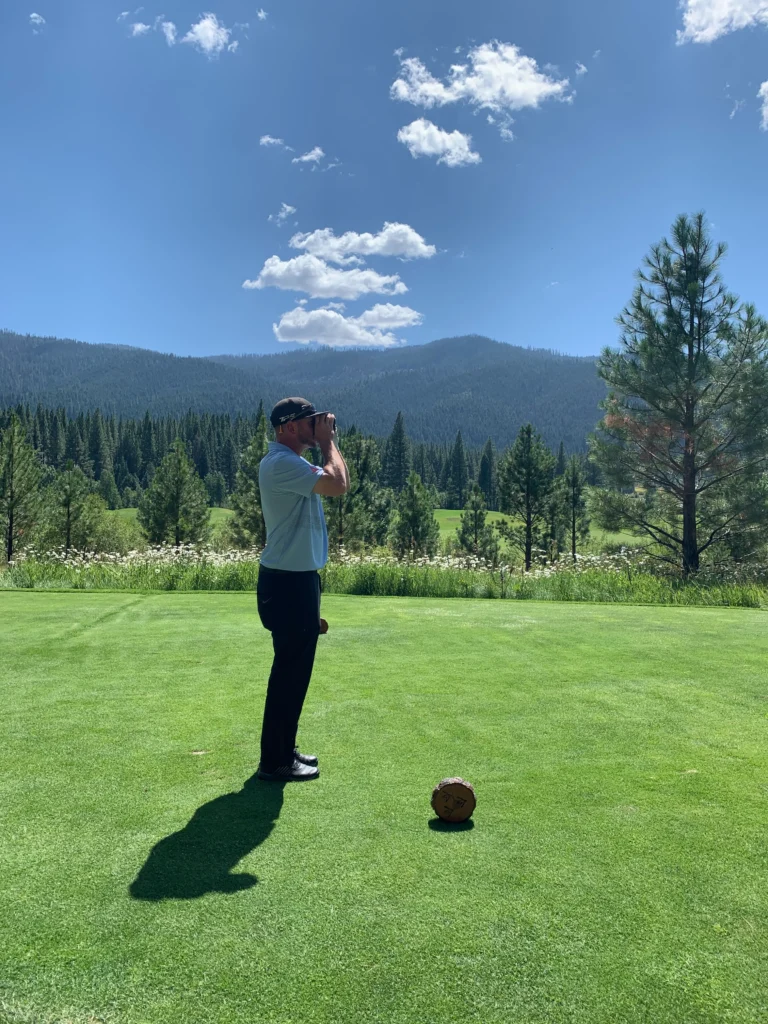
{"type": "Point", "coordinates": [218, 515]}
{"type": "Point", "coordinates": [450, 520]}
{"type": "Point", "coordinates": [615, 874]}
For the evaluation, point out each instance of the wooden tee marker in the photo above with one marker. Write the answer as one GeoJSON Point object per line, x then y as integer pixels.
{"type": "Point", "coordinates": [454, 800]}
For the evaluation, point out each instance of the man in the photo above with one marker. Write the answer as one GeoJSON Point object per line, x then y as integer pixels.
{"type": "Point", "coordinates": [288, 591]}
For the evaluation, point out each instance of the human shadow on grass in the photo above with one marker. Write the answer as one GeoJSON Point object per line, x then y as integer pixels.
{"type": "Point", "coordinates": [438, 825]}
{"type": "Point", "coordinates": [200, 857]}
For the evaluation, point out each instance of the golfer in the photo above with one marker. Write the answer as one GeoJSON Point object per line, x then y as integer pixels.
{"type": "Point", "coordinates": [288, 591]}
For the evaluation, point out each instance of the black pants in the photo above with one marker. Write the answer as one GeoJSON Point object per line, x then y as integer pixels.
{"type": "Point", "coordinates": [289, 606]}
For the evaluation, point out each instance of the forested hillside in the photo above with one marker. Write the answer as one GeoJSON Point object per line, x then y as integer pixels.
{"type": "Point", "coordinates": [482, 387]}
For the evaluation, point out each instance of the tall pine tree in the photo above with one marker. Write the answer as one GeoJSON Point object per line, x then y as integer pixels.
{"type": "Point", "coordinates": [414, 531]}
{"type": "Point", "coordinates": [247, 527]}
{"type": "Point", "coordinates": [458, 474]}
{"type": "Point", "coordinates": [175, 507]}
{"type": "Point", "coordinates": [575, 503]}
{"type": "Point", "coordinates": [67, 502]}
{"type": "Point", "coordinates": [397, 460]}
{"type": "Point", "coordinates": [684, 439]}
{"type": "Point", "coordinates": [19, 483]}
{"type": "Point", "coordinates": [476, 536]}
{"type": "Point", "coordinates": [525, 489]}
{"type": "Point", "coordinates": [486, 476]}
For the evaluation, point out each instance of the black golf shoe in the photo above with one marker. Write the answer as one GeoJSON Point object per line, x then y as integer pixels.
{"type": "Point", "coordinates": [296, 772]}
{"type": "Point", "coordinates": [309, 759]}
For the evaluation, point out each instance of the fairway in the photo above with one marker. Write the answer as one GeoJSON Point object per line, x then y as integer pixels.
{"type": "Point", "coordinates": [614, 872]}
{"type": "Point", "coordinates": [449, 521]}
{"type": "Point", "coordinates": [219, 516]}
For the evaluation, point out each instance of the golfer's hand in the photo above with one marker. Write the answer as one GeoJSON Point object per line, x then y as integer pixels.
{"type": "Point", "coordinates": [325, 430]}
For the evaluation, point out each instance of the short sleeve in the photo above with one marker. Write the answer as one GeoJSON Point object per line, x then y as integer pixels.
{"type": "Point", "coordinates": [296, 476]}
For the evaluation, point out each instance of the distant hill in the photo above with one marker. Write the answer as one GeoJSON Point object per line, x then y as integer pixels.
{"type": "Point", "coordinates": [482, 387]}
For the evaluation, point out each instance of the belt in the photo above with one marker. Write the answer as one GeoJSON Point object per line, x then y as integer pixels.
{"type": "Point", "coordinates": [285, 572]}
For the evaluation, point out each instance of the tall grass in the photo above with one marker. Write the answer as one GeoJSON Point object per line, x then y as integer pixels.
{"type": "Point", "coordinates": [623, 578]}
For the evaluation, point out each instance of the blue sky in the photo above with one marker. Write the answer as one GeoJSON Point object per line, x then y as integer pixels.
{"type": "Point", "coordinates": [139, 179]}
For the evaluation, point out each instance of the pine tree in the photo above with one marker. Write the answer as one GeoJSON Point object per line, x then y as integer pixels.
{"type": "Point", "coordinates": [19, 482]}
{"type": "Point", "coordinates": [349, 517]}
{"type": "Point", "coordinates": [575, 503]}
{"type": "Point", "coordinates": [200, 455]}
{"type": "Point", "coordinates": [560, 467]}
{"type": "Point", "coordinates": [67, 501]}
{"type": "Point", "coordinates": [98, 446]}
{"type": "Point", "coordinates": [458, 474]}
{"type": "Point", "coordinates": [229, 463]}
{"type": "Point", "coordinates": [216, 486]}
{"type": "Point", "coordinates": [554, 534]}
{"type": "Point", "coordinates": [475, 535]}
{"type": "Point", "coordinates": [414, 531]}
{"type": "Point", "coordinates": [75, 449]}
{"type": "Point", "coordinates": [686, 419]}
{"type": "Point", "coordinates": [486, 476]}
{"type": "Point", "coordinates": [148, 449]}
{"type": "Point", "coordinates": [57, 438]}
{"type": "Point", "coordinates": [175, 507]}
{"type": "Point", "coordinates": [107, 489]}
{"type": "Point", "coordinates": [247, 527]}
{"type": "Point", "coordinates": [525, 487]}
{"type": "Point", "coordinates": [397, 460]}
{"type": "Point", "coordinates": [129, 450]}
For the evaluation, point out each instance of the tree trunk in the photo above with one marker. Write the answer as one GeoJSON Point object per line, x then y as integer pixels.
{"type": "Point", "coordinates": [9, 538]}
{"type": "Point", "coordinates": [690, 540]}
{"type": "Point", "coordinates": [68, 538]}
{"type": "Point", "coordinates": [528, 541]}
{"type": "Point", "coordinates": [573, 529]}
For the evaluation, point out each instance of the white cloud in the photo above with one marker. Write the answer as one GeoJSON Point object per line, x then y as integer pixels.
{"type": "Point", "coordinates": [270, 140]}
{"type": "Point", "coordinates": [208, 35]}
{"type": "Point", "coordinates": [763, 97]}
{"type": "Point", "coordinates": [499, 78]}
{"type": "Point", "coordinates": [309, 274]}
{"type": "Point", "coordinates": [139, 28]}
{"type": "Point", "coordinates": [736, 108]}
{"type": "Point", "coordinates": [313, 156]}
{"type": "Point", "coordinates": [704, 21]}
{"type": "Point", "coordinates": [388, 315]}
{"type": "Point", "coordinates": [232, 48]}
{"type": "Point", "coordinates": [596, 54]}
{"type": "Point", "coordinates": [392, 240]}
{"type": "Point", "coordinates": [169, 31]}
{"type": "Point", "coordinates": [262, 15]}
{"type": "Point", "coordinates": [283, 214]}
{"type": "Point", "coordinates": [36, 19]}
{"type": "Point", "coordinates": [581, 69]}
{"type": "Point", "coordinates": [451, 148]}
{"type": "Point", "coordinates": [328, 327]}
{"type": "Point", "coordinates": [123, 15]}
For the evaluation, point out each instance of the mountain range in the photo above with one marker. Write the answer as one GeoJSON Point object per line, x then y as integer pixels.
{"type": "Point", "coordinates": [482, 387]}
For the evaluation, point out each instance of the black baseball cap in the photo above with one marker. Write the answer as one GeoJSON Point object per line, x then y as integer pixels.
{"type": "Point", "coordinates": [288, 410]}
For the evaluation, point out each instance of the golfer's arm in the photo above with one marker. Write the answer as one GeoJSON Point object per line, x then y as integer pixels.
{"type": "Point", "coordinates": [335, 479]}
